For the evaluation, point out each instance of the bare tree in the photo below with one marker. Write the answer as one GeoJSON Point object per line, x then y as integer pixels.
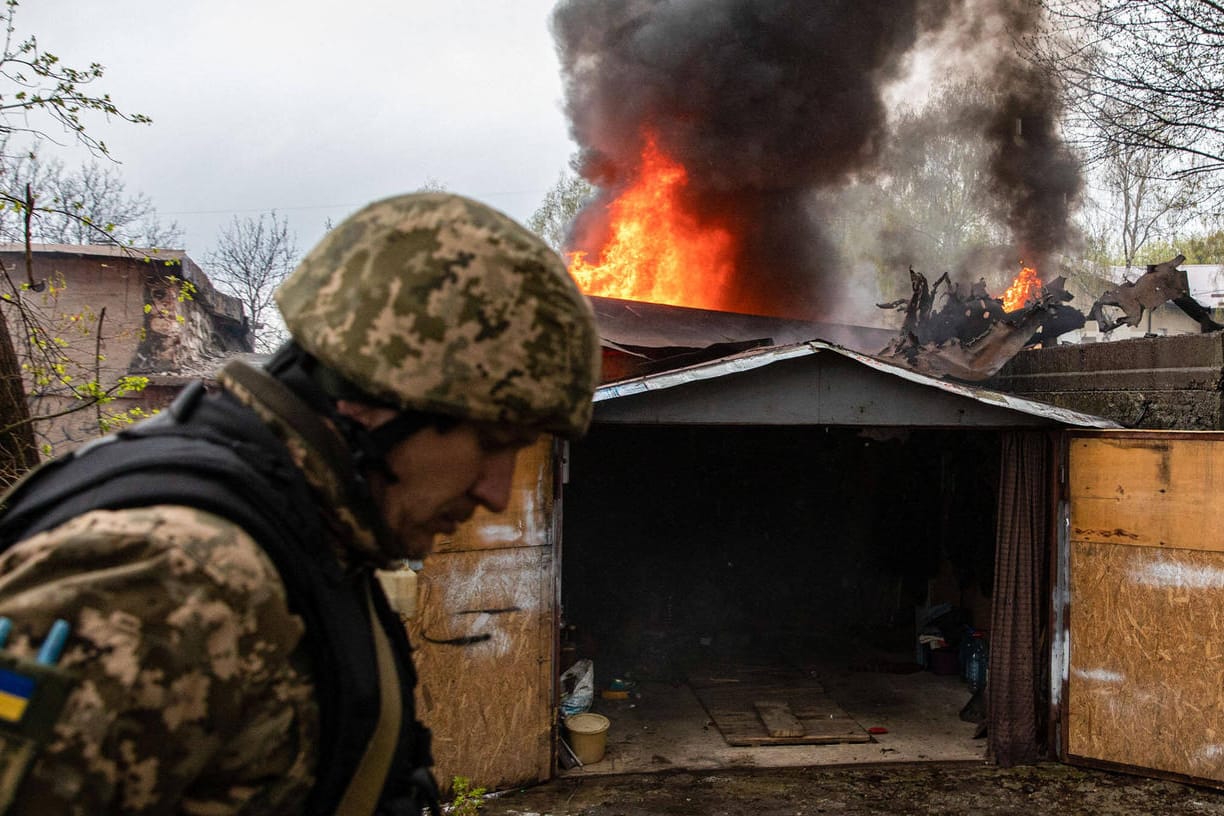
{"type": "Point", "coordinates": [39, 95]}
{"type": "Point", "coordinates": [85, 205]}
{"type": "Point", "coordinates": [936, 180]}
{"type": "Point", "coordinates": [1142, 75]}
{"type": "Point", "coordinates": [251, 258]}
{"type": "Point", "coordinates": [1144, 202]}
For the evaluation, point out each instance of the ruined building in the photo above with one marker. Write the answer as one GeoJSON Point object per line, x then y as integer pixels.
{"type": "Point", "coordinates": [113, 312]}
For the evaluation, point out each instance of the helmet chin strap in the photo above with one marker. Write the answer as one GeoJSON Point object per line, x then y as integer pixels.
{"type": "Point", "coordinates": [377, 441]}
{"type": "Point", "coordinates": [321, 388]}
{"type": "Point", "coordinates": [303, 375]}
{"type": "Point", "coordinates": [369, 446]}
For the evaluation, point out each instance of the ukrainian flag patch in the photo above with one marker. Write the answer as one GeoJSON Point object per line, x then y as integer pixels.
{"type": "Point", "coordinates": [15, 692]}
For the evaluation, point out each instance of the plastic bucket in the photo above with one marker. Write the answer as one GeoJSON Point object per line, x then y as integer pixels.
{"type": "Point", "coordinates": [588, 736]}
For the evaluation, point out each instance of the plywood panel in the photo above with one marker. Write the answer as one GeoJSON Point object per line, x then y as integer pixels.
{"type": "Point", "coordinates": [484, 641]}
{"type": "Point", "coordinates": [1147, 657]}
{"type": "Point", "coordinates": [484, 633]}
{"type": "Point", "coordinates": [1153, 491]}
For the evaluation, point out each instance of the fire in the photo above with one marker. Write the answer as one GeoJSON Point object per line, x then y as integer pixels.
{"type": "Point", "coordinates": [656, 251]}
{"type": "Point", "coordinates": [1026, 287]}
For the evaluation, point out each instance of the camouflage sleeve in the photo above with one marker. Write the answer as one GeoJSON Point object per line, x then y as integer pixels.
{"type": "Point", "coordinates": [188, 700]}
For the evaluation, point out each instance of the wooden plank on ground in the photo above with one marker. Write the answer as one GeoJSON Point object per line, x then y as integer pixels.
{"type": "Point", "coordinates": [778, 719]}
{"type": "Point", "coordinates": [731, 707]}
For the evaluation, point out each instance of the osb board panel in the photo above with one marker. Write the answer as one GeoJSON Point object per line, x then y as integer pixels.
{"type": "Point", "coordinates": [487, 694]}
{"type": "Point", "coordinates": [1147, 658]}
{"type": "Point", "coordinates": [1151, 492]}
{"type": "Point", "coordinates": [733, 708]}
{"type": "Point", "coordinates": [526, 521]}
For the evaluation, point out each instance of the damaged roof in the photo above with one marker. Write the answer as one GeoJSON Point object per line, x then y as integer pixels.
{"type": "Point", "coordinates": [631, 323]}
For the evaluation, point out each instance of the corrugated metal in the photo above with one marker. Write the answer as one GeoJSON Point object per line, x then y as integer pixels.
{"type": "Point", "coordinates": [757, 358]}
{"type": "Point", "coordinates": [636, 323]}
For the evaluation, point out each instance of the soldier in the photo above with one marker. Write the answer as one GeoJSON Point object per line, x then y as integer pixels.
{"type": "Point", "coordinates": [229, 650]}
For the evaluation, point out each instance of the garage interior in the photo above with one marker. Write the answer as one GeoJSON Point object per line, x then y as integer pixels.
{"type": "Point", "coordinates": [705, 566]}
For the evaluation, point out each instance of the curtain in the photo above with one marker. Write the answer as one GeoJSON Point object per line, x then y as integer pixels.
{"type": "Point", "coordinates": [1018, 685]}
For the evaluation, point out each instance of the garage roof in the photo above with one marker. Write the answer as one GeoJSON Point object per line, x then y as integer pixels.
{"type": "Point", "coordinates": [818, 383]}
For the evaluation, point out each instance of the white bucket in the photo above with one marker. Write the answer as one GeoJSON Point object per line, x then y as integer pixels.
{"type": "Point", "coordinates": [588, 736]}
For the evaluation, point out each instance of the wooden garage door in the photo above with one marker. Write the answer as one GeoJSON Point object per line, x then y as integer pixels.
{"type": "Point", "coordinates": [1144, 560]}
{"type": "Point", "coordinates": [484, 634]}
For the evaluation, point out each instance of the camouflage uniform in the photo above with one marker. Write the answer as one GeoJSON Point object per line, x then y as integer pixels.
{"type": "Point", "coordinates": [195, 695]}
{"type": "Point", "coordinates": [191, 698]}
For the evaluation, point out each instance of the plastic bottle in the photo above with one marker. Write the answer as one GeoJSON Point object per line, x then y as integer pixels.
{"type": "Point", "coordinates": [976, 666]}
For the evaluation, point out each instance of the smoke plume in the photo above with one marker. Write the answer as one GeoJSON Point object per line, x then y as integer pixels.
{"type": "Point", "coordinates": [767, 102]}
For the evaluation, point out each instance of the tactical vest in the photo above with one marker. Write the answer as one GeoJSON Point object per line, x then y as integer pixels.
{"type": "Point", "coordinates": [212, 453]}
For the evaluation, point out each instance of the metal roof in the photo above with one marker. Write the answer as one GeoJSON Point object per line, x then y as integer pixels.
{"type": "Point", "coordinates": [760, 358]}
{"type": "Point", "coordinates": [632, 323]}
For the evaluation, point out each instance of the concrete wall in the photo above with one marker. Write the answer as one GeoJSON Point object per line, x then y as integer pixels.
{"type": "Point", "coordinates": [113, 314]}
{"type": "Point", "coordinates": [1171, 383]}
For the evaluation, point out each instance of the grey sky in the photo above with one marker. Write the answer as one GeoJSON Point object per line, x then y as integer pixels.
{"type": "Point", "coordinates": [315, 108]}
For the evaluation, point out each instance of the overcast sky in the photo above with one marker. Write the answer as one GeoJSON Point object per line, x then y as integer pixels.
{"type": "Point", "coordinates": [315, 108]}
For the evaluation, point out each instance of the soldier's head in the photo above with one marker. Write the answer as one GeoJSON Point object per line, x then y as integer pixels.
{"type": "Point", "coordinates": [452, 337]}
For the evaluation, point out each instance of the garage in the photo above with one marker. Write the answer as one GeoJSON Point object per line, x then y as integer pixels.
{"type": "Point", "coordinates": [763, 531]}
{"type": "Point", "coordinates": [773, 557]}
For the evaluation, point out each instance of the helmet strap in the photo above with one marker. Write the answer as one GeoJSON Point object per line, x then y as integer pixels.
{"type": "Point", "coordinates": [395, 430]}
{"type": "Point", "coordinates": [370, 445]}
{"type": "Point", "coordinates": [301, 373]}
{"type": "Point", "coordinates": [321, 387]}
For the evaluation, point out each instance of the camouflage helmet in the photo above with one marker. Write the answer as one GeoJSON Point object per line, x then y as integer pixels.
{"type": "Point", "coordinates": [437, 303]}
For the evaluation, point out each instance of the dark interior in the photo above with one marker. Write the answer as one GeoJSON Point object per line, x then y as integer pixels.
{"type": "Point", "coordinates": [685, 546]}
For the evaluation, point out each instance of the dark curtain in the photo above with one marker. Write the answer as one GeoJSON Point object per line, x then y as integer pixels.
{"type": "Point", "coordinates": [1018, 687]}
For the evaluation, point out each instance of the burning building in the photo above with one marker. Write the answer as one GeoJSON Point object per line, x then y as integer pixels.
{"type": "Point", "coordinates": [777, 520]}
{"type": "Point", "coordinates": [765, 522]}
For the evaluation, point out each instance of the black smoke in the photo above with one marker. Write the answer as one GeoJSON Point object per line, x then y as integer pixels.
{"type": "Point", "coordinates": [766, 101]}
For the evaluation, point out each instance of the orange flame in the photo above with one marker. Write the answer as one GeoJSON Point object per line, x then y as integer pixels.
{"type": "Point", "coordinates": [656, 251]}
{"type": "Point", "coordinates": [1026, 287]}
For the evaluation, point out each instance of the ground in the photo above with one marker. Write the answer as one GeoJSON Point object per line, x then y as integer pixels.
{"type": "Point", "coordinates": [947, 789]}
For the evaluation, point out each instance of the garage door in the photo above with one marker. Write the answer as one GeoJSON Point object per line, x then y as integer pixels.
{"type": "Point", "coordinates": [1143, 563]}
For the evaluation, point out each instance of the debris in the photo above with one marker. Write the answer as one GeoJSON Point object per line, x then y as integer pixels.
{"type": "Point", "coordinates": [1161, 282]}
{"type": "Point", "coordinates": [970, 336]}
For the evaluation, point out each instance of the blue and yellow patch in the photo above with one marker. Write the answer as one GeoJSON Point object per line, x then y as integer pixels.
{"type": "Point", "coordinates": [15, 692]}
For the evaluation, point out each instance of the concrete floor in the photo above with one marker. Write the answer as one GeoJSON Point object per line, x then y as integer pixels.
{"type": "Point", "coordinates": [664, 726]}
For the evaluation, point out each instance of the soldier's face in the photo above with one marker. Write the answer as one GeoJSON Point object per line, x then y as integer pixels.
{"type": "Point", "coordinates": [442, 477]}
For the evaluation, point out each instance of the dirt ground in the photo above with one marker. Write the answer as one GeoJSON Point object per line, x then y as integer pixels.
{"type": "Point", "coordinates": [945, 789]}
